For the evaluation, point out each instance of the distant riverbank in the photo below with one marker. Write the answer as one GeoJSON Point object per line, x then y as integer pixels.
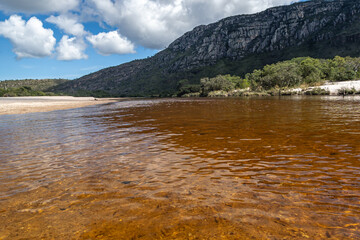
{"type": "Point", "coordinates": [327, 88]}
{"type": "Point", "coordinates": [21, 105]}
{"type": "Point", "coordinates": [341, 88]}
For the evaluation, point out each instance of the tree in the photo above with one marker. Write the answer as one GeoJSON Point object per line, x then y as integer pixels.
{"type": "Point", "coordinates": [214, 84]}
{"type": "Point", "coordinates": [312, 70]}
{"type": "Point", "coordinates": [341, 69]}
{"type": "Point", "coordinates": [284, 74]}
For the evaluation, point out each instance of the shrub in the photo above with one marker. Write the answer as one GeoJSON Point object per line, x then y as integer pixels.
{"type": "Point", "coordinates": [312, 70]}
{"type": "Point", "coordinates": [220, 82]}
{"type": "Point", "coordinates": [303, 70]}
{"type": "Point", "coordinates": [347, 91]}
{"type": "Point", "coordinates": [184, 87]}
{"type": "Point", "coordinates": [284, 74]}
{"type": "Point", "coordinates": [343, 69]}
{"type": "Point", "coordinates": [239, 83]}
{"type": "Point", "coordinates": [190, 95]}
{"type": "Point", "coordinates": [317, 91]}
{"type": "Point", "coordinates": [219, 93]}
{"type": "Point", "coordinates": [254, 79]}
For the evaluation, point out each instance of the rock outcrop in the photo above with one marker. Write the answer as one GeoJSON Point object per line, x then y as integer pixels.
{"type": "Point", "coordinates": [262, 38]}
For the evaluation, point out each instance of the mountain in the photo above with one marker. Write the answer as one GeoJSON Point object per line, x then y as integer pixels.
{"type": "Point", "coordinates": [235, 45]}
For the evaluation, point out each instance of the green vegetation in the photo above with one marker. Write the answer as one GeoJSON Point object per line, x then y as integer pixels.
{"type": "Point", "coordinates": [35, 84]}
{"type": "Point", "coordinates": [278, 78]}
{"type": "Point", "coordinates": [224, 83]}
{"type": "Point", "coordinates": [29, 87]}
{"type": "Point", "coordinates": [96, 94]}
{"type": "Point", "coordinates": [164, 84]}
{"type": "Point", "coordinates": [298, 71]}
{"type": "Point", "coordinates": [317, 91]}
{"type": "Point", "coordinates": [184, 87]}
{"type": "Point", "coordinates": [156, 81]}
{"type": "Point", "coordinates": [272, 79]}
{"type": "Point", "coordinates": [347, 91]}
{"type": "Point", "coordinates": [22, 91]}
{"type": "Point", "coordinates": [44, 87]}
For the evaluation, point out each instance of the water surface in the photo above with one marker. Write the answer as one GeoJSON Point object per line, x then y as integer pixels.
{"type": "Point", "coordinates": [257, 168]}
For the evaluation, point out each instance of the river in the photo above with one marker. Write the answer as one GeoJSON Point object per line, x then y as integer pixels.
{"type": "Point", "coordinates": [246, 168]}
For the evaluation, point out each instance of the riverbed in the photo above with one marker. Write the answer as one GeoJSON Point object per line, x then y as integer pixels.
{"type": "Point", "coordinates": [245, 168]}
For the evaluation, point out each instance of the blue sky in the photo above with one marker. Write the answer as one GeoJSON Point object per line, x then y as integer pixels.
{"type": "Point", "coordinates": [71, 38]}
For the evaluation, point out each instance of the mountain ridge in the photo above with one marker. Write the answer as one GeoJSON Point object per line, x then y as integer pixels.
{"type": "Point", "coordinates": [235, 45]}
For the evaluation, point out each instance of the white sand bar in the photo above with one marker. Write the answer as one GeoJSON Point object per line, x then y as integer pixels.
{"type": "Point", "coordinates": [20, 105]}
{"type": "Point", "coordinates": [335, 87]}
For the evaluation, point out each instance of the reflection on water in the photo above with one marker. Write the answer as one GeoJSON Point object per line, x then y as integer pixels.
{"type": "Point", "coordinates": [258, 168]}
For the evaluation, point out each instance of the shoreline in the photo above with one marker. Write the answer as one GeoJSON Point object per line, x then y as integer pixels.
{"type": "Point", "coordinates": [338, 88]}
{"type": "Point", "coordinates": [343, 88]}
{"type": "Point", "coordinates": [31, 104]}
{"type": "Point", "coordinates": [23, 105]}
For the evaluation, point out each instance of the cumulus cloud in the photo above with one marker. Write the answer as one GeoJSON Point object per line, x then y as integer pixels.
{"type": "Point", "coordinates": [156, 23]}
{"type": "Point", "coordinates": [149, 23]}
{"type": "Point", "coordinates": [111, 43]}
{"type": "Point", "coordinates": [71, 49]}
{"type": "Point", "coordinates": [68, 23]}
{"type": "Point", "coordinates": [38, 6]}
{"type": "Point", "coordinates": [145, 22]}
{"type": "Point", "coordinates": [29, 39]}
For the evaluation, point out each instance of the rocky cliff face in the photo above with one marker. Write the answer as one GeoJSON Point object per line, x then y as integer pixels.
{"type": "Point", "coordinates": [334, 23]}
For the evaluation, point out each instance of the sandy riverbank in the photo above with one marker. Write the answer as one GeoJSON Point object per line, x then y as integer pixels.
{"type": "Point", "coordinates": [335, 87]}
{"type": "Point", "coordinates": [20, 105]}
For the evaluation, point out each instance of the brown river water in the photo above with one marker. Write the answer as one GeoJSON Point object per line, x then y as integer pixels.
{"type": "Point", "coordinates": [257, 168]}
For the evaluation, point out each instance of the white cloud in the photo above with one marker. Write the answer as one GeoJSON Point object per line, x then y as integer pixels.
{"type": "Point", "coordinates": [38, 6]}
{"type": "Point", "coordinates": [143, 21]}
{"type": "Point", "coordinates": [111, 43]}
{"type": "Point", "coordinates": [29, 39]}
{"type": "Point", "coordinates": [71, 49]}
{"type": "Point", "coordinates": [68, 23]}
{"type": "Point", "coordinates": [149, 23]}
{"type": "Point", "coordinates": [156, 23]}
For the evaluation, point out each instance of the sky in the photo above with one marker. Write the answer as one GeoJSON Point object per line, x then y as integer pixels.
{"type": "Point", "coordinates": [71, 38]}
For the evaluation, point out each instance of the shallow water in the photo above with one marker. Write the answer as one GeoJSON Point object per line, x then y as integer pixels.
{"type": "Point", "coordinates": [257, 168]}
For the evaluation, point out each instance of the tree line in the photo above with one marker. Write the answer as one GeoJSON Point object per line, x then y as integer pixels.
{"type": "Point", "coordinates": [303, 71]}
{"type": "Point", "coordinates": [23, 91]}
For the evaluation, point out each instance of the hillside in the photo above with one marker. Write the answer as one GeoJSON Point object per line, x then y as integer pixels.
{"type": "Point", "coordinates": [235, 45]}
{"type": "Point", "coordinates": [34, 84]}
